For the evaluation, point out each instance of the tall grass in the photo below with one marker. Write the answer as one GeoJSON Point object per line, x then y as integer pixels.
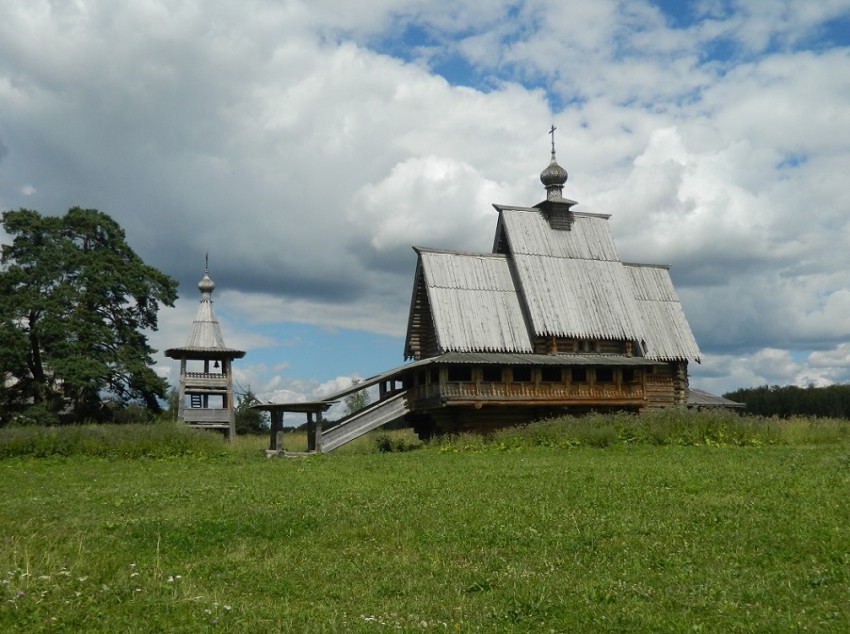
{"type": "Point", "coordinates": [158, 440]}
{"type": "Point", "coordinates": [667, 427]}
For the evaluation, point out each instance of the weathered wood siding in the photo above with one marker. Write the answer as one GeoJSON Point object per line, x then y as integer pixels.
{"type": "Point", "coordinates": [566, 345]}
{"type": "Point", "coordinates": [667, 386]}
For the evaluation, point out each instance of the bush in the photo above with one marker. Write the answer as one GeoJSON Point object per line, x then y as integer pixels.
{"type": "Point", "coordinates": [395, 442]}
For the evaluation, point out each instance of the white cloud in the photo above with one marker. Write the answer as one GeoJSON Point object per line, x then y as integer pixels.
{"type": "Point", "coordinates": [287, 141]}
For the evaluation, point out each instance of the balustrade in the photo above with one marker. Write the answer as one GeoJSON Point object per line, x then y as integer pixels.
{"type": "Point", "coordinates": [531, 391]}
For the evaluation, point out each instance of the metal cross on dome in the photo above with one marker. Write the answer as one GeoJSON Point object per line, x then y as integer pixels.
{"type": "Point", "coordinates": [552, 132]}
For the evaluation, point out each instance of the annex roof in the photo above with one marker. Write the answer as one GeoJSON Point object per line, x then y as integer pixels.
{"type": "Point", "coordinates": [666, 333]}
{"type": "Point", "coordinates": [700, 399]}
{"type": "Point", "coordinates": [472, 300]}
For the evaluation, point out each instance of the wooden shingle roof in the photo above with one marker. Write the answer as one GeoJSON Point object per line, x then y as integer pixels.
{"type": "Point", "coordinates": [666, 332]}
{"type": "Point", "coordinates": [472, 301]}
{"type": "Point", "coordinates": [205, 340]}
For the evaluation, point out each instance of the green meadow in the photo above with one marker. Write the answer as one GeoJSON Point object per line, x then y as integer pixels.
{"type": "Point", "coordinates": [671, 524]}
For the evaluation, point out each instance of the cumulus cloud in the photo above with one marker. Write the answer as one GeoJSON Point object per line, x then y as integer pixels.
{"type": "Point", "coordinates": [307, 146]}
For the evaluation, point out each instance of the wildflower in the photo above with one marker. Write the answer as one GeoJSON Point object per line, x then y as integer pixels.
{"type": "Point", "coordinates": [21, 593]}
{"type": "Point", "coordinates": [170, 579]}
{"type": "Point", "coordinates": [81, 579]}
{"type": "Point", "coordinates": [227, 607]}
{"type": "Point", "coordinates": [134, 574]}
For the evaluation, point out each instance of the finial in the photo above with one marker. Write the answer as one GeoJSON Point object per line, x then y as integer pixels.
{"type": "Point", "coordinates": [206, 285]}
{"type": "Point", "coordinates": [552, 132]}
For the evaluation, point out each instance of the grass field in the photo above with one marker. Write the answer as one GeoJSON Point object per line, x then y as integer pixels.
{"type": "Point", "coordinates": [457, 536]}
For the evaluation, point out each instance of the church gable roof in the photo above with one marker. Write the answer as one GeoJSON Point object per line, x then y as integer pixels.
{"type": "Point", "coordinates": [583, 299]}
{"type": "Point", "coordinates": [529, 233]}
{"type": "Point", "coordinates": [572, 281]}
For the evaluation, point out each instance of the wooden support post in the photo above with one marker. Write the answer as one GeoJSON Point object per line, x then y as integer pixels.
{"type": "Point", "coordinates": [276, 431]}
{"type": "Point", "coordinates": [319, 431]}
{"type": "Point", "coordinates": [228, 400]}
{"type": "Point", "coordinates": [311, 432]}
{"type": "Point", "coordinates": [181, 403]}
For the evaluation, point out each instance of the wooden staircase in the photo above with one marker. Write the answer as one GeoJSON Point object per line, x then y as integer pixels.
{"type": "Point", "coordinates": [363, 421]}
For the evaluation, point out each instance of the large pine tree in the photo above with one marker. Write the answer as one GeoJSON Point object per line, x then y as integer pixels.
{"type": "Point", "coordinates": [75, 301]}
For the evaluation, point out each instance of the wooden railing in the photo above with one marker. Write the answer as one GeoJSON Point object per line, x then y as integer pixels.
{"type": "Point", "coordinates": [581, 392]}
{"type": "Point", "coordinates": [203, 380]}
{"type": "Point", "coordinates": [205, 415]}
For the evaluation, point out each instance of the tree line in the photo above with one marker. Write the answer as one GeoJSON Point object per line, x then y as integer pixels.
{"type": "Point", "coordinates": [832, 401]}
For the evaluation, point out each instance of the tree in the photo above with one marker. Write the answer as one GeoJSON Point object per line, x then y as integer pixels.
{"type": "Point", "coordinates": [76, 302]}
{"type": "Point", "coordinates": [249, 420]}
{"type": "Point", "coordinates": [356, 401]}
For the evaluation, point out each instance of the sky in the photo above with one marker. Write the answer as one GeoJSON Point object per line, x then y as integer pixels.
{"type": "Point", "coordinates": [306, 146]}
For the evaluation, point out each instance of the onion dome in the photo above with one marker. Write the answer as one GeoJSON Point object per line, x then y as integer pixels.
{"type": "Point", "coordinates": [554, 176]}
{"type": "Point", "coordinates": [206, 285]}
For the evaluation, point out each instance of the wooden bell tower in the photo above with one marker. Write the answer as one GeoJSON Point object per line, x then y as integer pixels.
{"type": "Point", "coordinates": [206, 377]}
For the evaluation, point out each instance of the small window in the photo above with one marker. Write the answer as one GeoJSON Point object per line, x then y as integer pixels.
{"type": "Point", "coordinates": [629, 375]}
{"type": "Point", "coordinates": [491, 374]}
{"type": "Point", "coordinates": [551, 375]}
{"type": "Point", "coordinates": [459, 373]}
{"type": "Point", "coordinates": [604, 375]}
{"type": "Point", "coordinates": [578, 374]}
{"type": "Point", "coordinates": [435, 375]}
{"type": "Point", "coordinates": [521, 374]}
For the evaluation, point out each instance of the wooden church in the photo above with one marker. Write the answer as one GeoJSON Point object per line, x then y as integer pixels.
{"type": "Point", "coordinates": [550, 322]}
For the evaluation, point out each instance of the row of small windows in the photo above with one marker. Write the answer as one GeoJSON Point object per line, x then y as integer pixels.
{"type": "Point", "coordinates": [525, 374]}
